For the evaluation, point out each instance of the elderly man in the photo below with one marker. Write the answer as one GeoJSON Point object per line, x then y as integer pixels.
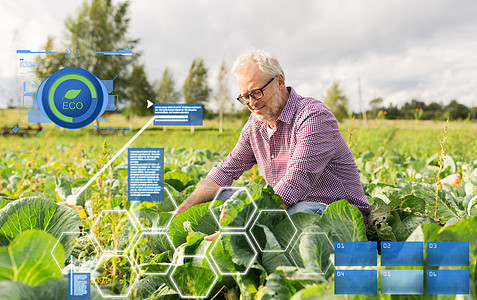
{"type": "Point", "coordinates": [294, 140]}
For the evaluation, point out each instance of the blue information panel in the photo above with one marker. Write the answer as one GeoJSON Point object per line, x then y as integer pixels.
{"type": "Point", "coordinates": [356, 253]}
{"type": "Point", "coordinates": [447, 282]}
{"type": "Point", "coordinates": [178, 114]}
{"type": "Point", "coordinates": [79, 286]}
{"type": "Point", "coordinates": [402, 282]}
{"type": "Point", "coordinates": [356, 282]}
{"type": "Point", "coordinates": [146, 174]}
{"type": "Point", "coordinates": [448, 254]}
{"type": "Point", "coordinates": [402, 253]}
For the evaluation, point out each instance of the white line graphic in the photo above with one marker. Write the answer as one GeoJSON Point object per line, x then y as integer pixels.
{"type": "Point", "coordinates": [71, 199]}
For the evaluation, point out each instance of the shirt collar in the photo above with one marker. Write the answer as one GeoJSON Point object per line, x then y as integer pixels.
{"type": "Point", "coordinates": [289, 109]}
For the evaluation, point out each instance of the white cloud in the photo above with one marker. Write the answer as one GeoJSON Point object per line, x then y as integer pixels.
{"type": "Point", "coordinates": [400, 49]}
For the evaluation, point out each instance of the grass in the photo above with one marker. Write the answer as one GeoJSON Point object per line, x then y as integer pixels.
{"type": "Point", "coordinates": [418, 139]}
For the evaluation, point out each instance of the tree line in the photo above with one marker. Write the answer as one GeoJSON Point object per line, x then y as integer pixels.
{"type": "Point", "coordinates": [419, 110]}
{"type": "Point", "coordinates": [337, 101]}
{"type": "Point", "coordinates": [102, 25]}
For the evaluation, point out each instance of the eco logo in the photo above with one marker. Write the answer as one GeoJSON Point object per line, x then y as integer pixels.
{"type": "Point", "coordinates": [72, 98]}
{"type": "Point", "coordinates": [71, 94]}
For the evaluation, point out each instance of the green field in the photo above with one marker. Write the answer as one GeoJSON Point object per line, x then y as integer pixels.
{"type": "Point", "coordinates": [406, 137]}
{"type": "Point", "coordinates": [398, 162]}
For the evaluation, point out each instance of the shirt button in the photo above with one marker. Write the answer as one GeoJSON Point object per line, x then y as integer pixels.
{"type": "Point", "coordinates": [273, 156]}
{"type": "Point", "coordinates": [274, 182]}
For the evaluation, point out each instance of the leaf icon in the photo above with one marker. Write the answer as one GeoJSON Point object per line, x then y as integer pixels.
{"type": "Point", "coordinates": [71, 94]}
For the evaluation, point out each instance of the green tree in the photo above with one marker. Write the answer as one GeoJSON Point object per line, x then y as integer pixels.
{"type": "Point", "coordinates": [434, 111]}
{"type": "Point", "coordinates": [222, 93]}
{"type": "Point", "coordinates": [409, 108]}
{"type": "Point", "coordinates": [376, 104]}
{"type": "Point", "coordinates": [337, 102]}
{"type": "Point", "coordinates": [166, 92]}
{"type": "Point", "coordinates": [99, 25]}
{"type": "Point", "coordinates": [139, 90]}
{"type": "Point", "coordinates": [393, 112]}
{"type": "Point", "coordinates": [456, 111]}
{"type": "Point", "coordinates": [196, 89]}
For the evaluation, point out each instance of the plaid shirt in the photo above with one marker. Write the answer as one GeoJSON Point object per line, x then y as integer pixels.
{"type": "Point", "coordinates": [305, 159]}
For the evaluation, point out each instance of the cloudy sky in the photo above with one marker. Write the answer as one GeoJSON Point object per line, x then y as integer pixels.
{"type": "Point", "coordinates": [399, 49]}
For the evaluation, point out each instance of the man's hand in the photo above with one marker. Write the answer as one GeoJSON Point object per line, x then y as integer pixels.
{"type": "Point", "coordinates": [180, 209]}
{"type": "Point", "coordinates": [212, 236]}
{"type": "Point", "coordinates": [454, 179]}
{"type": "Point", "coordinates": [205, 191]}
{"type": "Point", "coordinates": [176, 212]}
{"type": "Point", "coordinates": [284, 206]}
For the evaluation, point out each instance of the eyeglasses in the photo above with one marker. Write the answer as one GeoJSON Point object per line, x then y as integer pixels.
{"type": "Point", "coordinates": [255, 94]}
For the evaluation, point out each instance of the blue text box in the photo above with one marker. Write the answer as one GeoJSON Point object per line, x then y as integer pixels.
{"type": "Point", "coordinates": [178, 114]}
{"type": "Point", "coordinates": [447, 282]}
{"type": "Point", "coordinates": [402, 254]}
{"type": "Point", "coordinates": [402, 282]}
{"type": "Point", "coordinates": [79, 286]}
{"type": "Point", "coordinates": [356, 282]}
{"type": "Point", "coordinates": [356, 253]}
{"type": "Point", "coordinates": [448, 254]}
{"type": "Point", "coordinates": [146, 174]}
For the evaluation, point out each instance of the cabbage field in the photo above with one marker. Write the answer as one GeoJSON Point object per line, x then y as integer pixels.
{"type": "Point", "coordinates": [141, 251]}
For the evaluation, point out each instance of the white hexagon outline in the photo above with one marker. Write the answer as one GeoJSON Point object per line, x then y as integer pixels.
{"type": "Point", "coordinates": [255, 208]}
{"type": "Point", "coordinates": [97, 221]}
{"type": "Point", "coordinates": [289, 243]}
{"type": "Point", "coordinates": [211, 286]}
{"type": "Point", "coordinates": [132, 267]}
{"type": "Point", "coordinates": [249, 242]}
{"type": "Point", "coordinates": [58, 241]}
{"type": "Point", "coordinates": [135, 245]}
{"type": "Point", "coordinates": [293, 259]}
{"type": "Point", "coordinates": [154, 228]}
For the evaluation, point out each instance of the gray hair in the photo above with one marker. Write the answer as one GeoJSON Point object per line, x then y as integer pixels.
{"type": "Point", "coordinates": [267, 63]}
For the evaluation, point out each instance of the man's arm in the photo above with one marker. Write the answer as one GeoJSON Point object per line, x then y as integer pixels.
{"type": "Point", "coordinates": [205, 191]}
{"type": "Point", "coordinates": [241, 158]}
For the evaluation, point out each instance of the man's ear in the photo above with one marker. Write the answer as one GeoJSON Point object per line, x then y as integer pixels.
{"type": "Point", "coordinates": [281, 81]}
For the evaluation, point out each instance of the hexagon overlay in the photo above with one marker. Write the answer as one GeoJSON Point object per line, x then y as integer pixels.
{"type": "Point", "coordinates": [312, 260]}
{"type": "Point", "coordinates": [190, 272]}
{"type": "Point", "coordinates": [107, 268]}
{"type": "Point", "coordinates": [273, 218]}
{"type": "Point", "coordinates": [83, 254]}
{"type": "Point", "coordinates": [245, 215]}
{"type": "Point", "coordinates": [154, 215]}
{"type": "Point", "coordinates": [150, 250]}
{"type": "Point", "coordinates": [114, 231]}
{"type": "Point", "coordinates": [233, 241]}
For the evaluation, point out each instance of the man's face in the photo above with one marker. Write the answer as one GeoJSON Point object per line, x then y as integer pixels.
{"type": "Point", "coordinates": [268, 107]}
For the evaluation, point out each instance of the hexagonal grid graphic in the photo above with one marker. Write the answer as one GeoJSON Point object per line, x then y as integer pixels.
{"type": "Point", "coordinates": [104, 259]}
{"type": "Point", "coordinates": [250, 245]}
{"type": "Point", "coordinates": [148, 213]}
{"type": "Point", "coordinates": [229, 190]}
{"type": "Point", "coordinates": [180, 291]}
{"type": "Point", "coordinates": [296, 257]}
{"type": "Point", "coordinates": [154, 244]}
{"type": "Point", "coordinates": [284, 244]}
{"type": "Point", "coordinates": [82, 242]}
{"type": "Point", "coordinates": [107, 237]}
